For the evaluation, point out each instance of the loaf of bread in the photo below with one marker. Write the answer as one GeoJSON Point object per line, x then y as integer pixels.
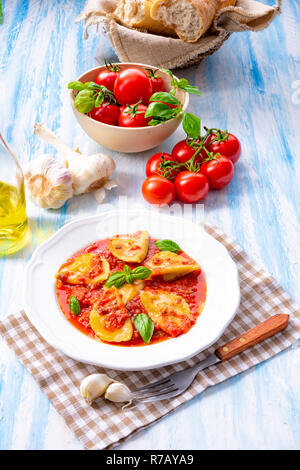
{"type": "Point", "coordinates": [189, 18]}
{"type": "Point", "coordinates": [136, 14]}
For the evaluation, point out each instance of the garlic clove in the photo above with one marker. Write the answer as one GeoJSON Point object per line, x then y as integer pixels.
{"type": "Point", "coordinates": [49, 183]}
{"type": "Point", "coordinates": [100, 193]}
{"type": "Point", "coordinates": [118, 392]}
{"type": "Point", "coordinates": [89, 172]}
{"type": "Point", "coordinates": [94, 385]}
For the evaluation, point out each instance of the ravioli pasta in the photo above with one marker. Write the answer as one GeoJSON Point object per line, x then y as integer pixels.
{"type": "Point", "coordinates": [117, 279]}
{"type": "Point", "coordinates": [170, 265]}
{"type": "Point", "coordinates": [87, 268]}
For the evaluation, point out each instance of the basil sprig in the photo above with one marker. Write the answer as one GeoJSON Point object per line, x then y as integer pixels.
{"type": "Point", "coordinates": [119, 278]}
{"type": "Point", "coordinates": [161, 112]}
{"type": "Point", "coordinates": [90, 95]}
{"type": "Point", "coordinates": [145, 326]}
{"type": "Point", "coordinates": [181, 83]}
{"type": "Point", "coordinates": [165, 106]}
{"type": "Point", "coordinates": [74, 305]}
{"type": "Point", "coordinates": [167, 245]}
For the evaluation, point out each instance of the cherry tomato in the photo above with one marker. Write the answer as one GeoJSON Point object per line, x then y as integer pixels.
{"type": "Point", "coordinates": [182, 152]}
{"type": "Point", "coordinates": [158, 190]}
{"type": "Point", "coordinates": [157, 82]}
{"type": "Point", "coordinates": [219, 172]}
{"type": "Point", "coordinates": [191, 187]}
{"type": "Point", "coordinates": [108, 77]}
{"type": "Point", "coordinates": [107, 113]}
{"type": "Point", "coordinates": [152, 167]}
{"type": "Point", "coordinates": [230, 148]}
{"type": "Point", "coordinates": [131, 86]}
{"type": "Point", "coordinates": [133, 116]}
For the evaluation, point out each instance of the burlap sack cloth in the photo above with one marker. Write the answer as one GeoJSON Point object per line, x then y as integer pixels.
{"type": "Point", "coordinates": [136, 46]}
{"type": "Point", "coordinates": [105, 424]}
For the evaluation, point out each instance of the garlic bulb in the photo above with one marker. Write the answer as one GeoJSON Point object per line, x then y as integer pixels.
{"type": "Point", "coordinates": [48, 181]}
{"type": "Point", "coordinates": [94, 385]}
{"type": "Point", "coordinates": [118, 392]}
{"type": "Point", "coordinates": [89, 172]}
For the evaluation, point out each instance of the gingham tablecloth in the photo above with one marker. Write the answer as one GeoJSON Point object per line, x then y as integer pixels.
{"type": "Point", "coordinates": [105, 424]}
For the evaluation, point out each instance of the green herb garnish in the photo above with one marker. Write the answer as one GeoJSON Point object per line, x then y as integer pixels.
{"type": "Point", "coordinates": [167, 245]}
{"type": "Point", "coordinates": [145, 326]}
{"type": "Point", "coordinates": [119, 278]}
{"type": "Point", "coordinates": [90, 95]}
{"type": "Point", "coordinates": [74, 305]}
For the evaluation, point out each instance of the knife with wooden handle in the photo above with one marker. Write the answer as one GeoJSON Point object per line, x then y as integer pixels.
{"type": "Point", "coordinates": [256, 335]}
{"type": "Point", "coordinates": [250, 338]}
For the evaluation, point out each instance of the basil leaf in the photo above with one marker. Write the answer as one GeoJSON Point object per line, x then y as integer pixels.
{"type": "Point", "coordinates": [117, 279]}
{"type": "Point", "coordinates": [74, 305]}
{"type": "Point", "coordinates": [167, 245]}
{"type": "Point", "coordinates": [128, 275]}
{"type": "Point", "coordinates": [169, 72]}
{"type": "Point", "coordinates": [145, 326]}
{"type": "Point", "coordinates": [184, 85]}
{"type": "Point", "coordinates": [84, 101]}
{"type": "Point", "coordinates": [155, 122]}
{"type": "Point", "coordinates": [126, 269]}
{"type": "Point", "coordinates": [93, 86]}
{"type": "Point", "coordinates": [165, 98]}
{"type": "Point", "coordinates": [76, 85]}
{"type": "Point", "coordinates": [141, 272]}
{"type": "Point", "coordinates": [99, 100]}
{"type": "Point", "coordinates": [191, 125]}
{"type": "Point", "coordinates": [161, 110]}
{"type": "Point", "coordinates": [1, 12]}
{"type": "Point", "coordinates": [129, 278]}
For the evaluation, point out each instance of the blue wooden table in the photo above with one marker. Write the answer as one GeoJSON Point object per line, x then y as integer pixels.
{"type": "Point", "coordinates": [252, 86]}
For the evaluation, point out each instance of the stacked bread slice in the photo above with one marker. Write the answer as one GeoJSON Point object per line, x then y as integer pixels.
{"type": "Point", "coordinates": [186, 19]}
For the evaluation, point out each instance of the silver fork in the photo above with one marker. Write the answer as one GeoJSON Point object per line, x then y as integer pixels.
{"type": "Point", "coordinates": [177, 383]}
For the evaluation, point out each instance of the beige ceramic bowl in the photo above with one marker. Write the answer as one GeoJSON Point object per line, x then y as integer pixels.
{"type": "Point", "coordinates": [126, 139]}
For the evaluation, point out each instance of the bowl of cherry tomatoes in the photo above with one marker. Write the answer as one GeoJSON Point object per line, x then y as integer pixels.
{"type": "Point", "coordinates": [192, 168]}
{"type": "Point", "coordinates": [115, 115]}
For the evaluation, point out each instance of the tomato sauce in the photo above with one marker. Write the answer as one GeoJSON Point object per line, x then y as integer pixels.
{"type": "Point", "coordinates": [191, 287]}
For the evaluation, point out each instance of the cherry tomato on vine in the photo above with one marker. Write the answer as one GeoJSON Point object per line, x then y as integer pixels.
{"type": "Point", "coordinates": [153, 166]}
{"type": "Point", "coordinates": [158, 190]}
{"type": "Point", "coordinates": [219, 171]}
{"type": "Point", "coordinates": [230, 148]}
{"type": "Point", "coordinates": [133, 116]}
{"type": "Point", "coordinates": [191, 187]}
{"type": "Point", "coordinates": [107, 77]}
{"type": "Point", "coordinates": [107, 113]}
{"type": "Point", "coordinates": [132, 85]}
{"type": "Point", "coordinates": [157, 82]}
{"type": "Point", "coordinates": [182, 152]}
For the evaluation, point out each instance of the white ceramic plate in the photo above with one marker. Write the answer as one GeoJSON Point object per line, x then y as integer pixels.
{"type": "Point", "coordinates": [40, 303]}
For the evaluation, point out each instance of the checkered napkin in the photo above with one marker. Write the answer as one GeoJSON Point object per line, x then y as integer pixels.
{"type": "Point", "coordinates": [105, 424]}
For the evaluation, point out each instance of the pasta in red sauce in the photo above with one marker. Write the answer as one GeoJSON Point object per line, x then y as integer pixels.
{"type": "Point", "coordinates": [188, 291]}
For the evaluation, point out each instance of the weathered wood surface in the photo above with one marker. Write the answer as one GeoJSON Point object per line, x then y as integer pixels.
{"type": "Point", "coordinates": [252, 86]}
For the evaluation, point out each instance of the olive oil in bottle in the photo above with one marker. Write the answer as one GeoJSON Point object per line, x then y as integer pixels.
{"type": "Point", "coordinates": [14, 232]}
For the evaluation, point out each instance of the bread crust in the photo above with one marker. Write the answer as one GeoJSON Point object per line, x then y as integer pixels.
{"type": "Point", "coordinates": [146, 22]}
{"type": "Point", "coordinates": [207, 10]}
{"type": "Point", "coordinates": [226, 3]}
